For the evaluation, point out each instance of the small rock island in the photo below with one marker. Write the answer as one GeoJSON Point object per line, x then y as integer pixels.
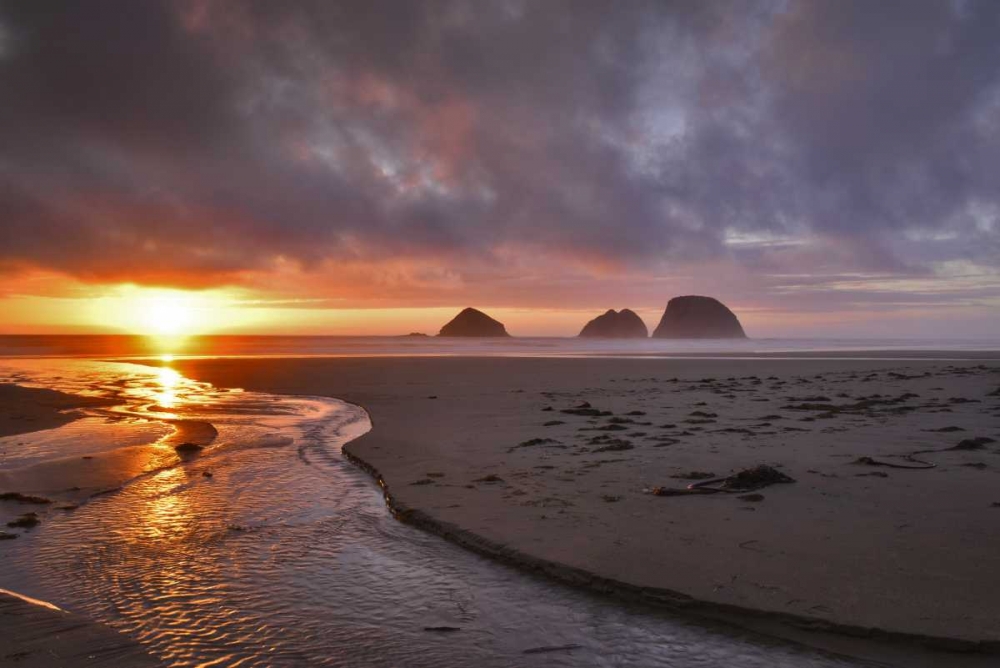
{"type": "Point", "coordinates": [473, 323]}
{"type": "Point", "coordinates": [624, 324]}
{"type": "Point", "coordinates": [696, 317]}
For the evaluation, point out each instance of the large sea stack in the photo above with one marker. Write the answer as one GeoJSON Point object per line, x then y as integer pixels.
{"type": "Point", "coordinates": [471, 322]}
{"type": "Point", "coordinates": [694, 317]}
{"type": "Point", "coordinates": [624, 324]}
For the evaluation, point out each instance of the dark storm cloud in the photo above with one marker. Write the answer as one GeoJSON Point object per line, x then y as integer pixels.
{"type": "Point", "coordinates": [190, 142]}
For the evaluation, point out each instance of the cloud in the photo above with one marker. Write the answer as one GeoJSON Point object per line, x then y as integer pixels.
{"type": "Point", "coordinates": [425, 152]}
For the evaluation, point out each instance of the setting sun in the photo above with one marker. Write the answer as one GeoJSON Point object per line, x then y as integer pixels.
{"type": "Point", "coordinates": [168, 315]}
{"type": "Point", "coordinates": [164, 312]}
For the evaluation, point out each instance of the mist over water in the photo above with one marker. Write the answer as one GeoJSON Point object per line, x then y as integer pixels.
{"type": "Point", "coordinates": [286, 555]}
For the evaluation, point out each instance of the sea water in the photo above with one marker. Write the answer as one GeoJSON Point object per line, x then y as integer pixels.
{"type": "Point", "coordinates": [256, 346]}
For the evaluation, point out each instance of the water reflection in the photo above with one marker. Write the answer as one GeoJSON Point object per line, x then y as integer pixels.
{"type": "Point", "coordinates": [167, 394]}
{"type": "Point", "coordinates": [163, 514]}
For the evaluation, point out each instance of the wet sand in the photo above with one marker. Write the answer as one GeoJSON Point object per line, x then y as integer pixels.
{"type": "Point", "coordinates": [25, 409]}
{"type": "Point", "coordinates": [63, 483]}
{"type": "Point", "coordinates": [482, 452]}
{"type": "Point", "coordinates": [34, 634]}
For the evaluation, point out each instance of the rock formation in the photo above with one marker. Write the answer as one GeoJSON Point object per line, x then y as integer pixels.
{"type": "Point", "coordinates": [471, 322]}
{"type": "Point", "coordinates": [694, 317]}
{"type": "Point", "coordinates": [624, 324]}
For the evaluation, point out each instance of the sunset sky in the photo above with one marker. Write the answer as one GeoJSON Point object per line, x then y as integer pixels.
{"type": "Point", "coordinates": [827, 167]}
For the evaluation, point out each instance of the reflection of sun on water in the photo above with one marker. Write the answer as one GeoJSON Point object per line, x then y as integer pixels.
{"type": "Point", "coordinates": [165, 514]}
{"type": "Point", "coordinates": [166, 394]}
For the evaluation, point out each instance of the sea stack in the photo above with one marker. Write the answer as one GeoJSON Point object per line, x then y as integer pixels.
{"type": "Point", "coordinates": [624, 324]}
{"type": "Point", "coordinates": [471, 322]}
{"type": "Point", "coordinates": [694, 317]}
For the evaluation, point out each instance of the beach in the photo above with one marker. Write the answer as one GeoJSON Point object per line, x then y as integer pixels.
{"type": "Point", "coordinates": [35, 634]}
{"type": "Point", "coordinates": [483, 452]}
{"type": "Point", "coordinates": [24, 410]}
{"type": "Point", "coordinates": [876, 539]}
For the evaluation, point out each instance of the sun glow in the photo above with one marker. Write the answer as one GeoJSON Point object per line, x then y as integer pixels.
{"type": "Point", "coordinates": [168, 315]}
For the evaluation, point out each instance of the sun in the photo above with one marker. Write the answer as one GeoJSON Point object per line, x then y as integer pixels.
{"type": "Point", "coordinates": [167, 315]}
{"type": "Point", "coordinates": [171, 315]}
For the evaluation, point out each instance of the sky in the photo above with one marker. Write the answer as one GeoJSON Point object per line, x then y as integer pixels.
{"type": "Point", "coordinates": [824, 167]}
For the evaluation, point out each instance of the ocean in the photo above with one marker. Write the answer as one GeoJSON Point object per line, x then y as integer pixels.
{"type": "Point", "coordinates": [128, 346]}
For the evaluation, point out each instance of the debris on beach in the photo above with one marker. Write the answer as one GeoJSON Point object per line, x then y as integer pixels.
{"type": "Point", "coordinates": [24, 498]}
{"type": "Point", "coordinates": [977, 443]}
{"type": "Point", "coordinates": [532, 442]}
{"type": "Point", "coordinates": [915, 463]}
{"type": "Point", "coordinates": [442, 629]}
{"type": "Point", "coordinates": [606, 427]}
{"type": "Point", "coordinates": [492, 477]}
{"type": "Point", "coordinates": [966, 444]}
{"type": "Point", "coordinates": [188, 448]}
{"type": "Point", "coordinates": [5, 535]}
{"type": "Point", "coordinates": [25, 521]}
{"type": "Point", "coordinates": [756, 478]}
{"type": "Point", "coordinates": [747, 480]}
{"type": "Point", "coordinates": [586, 410]}
{"type": "Point", "coordinates": [614, 445]}
{"type": "Point", "coordinates": [552, 648]}
{"type": "Point", "coordinates": [694, 475]}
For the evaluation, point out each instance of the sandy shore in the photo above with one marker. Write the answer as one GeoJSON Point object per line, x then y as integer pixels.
{"type": "Point", "coordinates": [63, 483]}
{"type": "Point", "coordinates": [34, 634]}
{"type": "Point", "coordinates": [25, 409]}
{"type": "Point", "coordinates": [482, 451]}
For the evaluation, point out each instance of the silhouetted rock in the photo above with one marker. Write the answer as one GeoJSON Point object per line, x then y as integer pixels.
{"type": "Point", "coordinates": [188, 448]}
{"type": "Point", "coordinates": [471, 322]}
{"type": "Point", "coordinates": [694, 317]}
{"type": "Point", "coordinates": [624, 324]}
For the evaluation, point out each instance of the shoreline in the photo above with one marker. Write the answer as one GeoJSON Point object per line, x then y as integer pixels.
{"type": "Point", "coordinates": [791, 627]}
{"type": "Point", "coordinates": [37, 634]}
{"type": "Point", "coordinates": [28, 409]}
